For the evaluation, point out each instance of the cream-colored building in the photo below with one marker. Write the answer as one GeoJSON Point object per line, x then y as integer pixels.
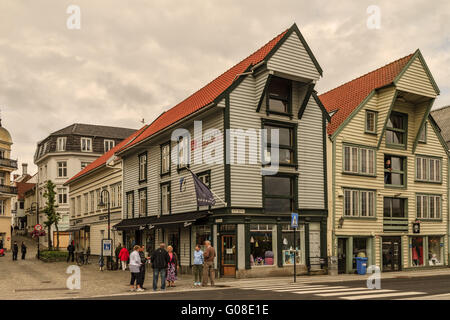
{"type": "Point", "coordinates": [7, 191]}
{"type": "Point", "coordinates": [388, 170]}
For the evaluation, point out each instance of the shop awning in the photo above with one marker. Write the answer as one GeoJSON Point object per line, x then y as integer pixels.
{"type": "Point", "coordinates": [78, 228]}
{"type": "Point", "coordinates": [171, 219]}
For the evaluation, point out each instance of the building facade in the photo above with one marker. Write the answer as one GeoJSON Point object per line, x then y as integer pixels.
{"type": "Point", "coordinates": [388, 170]}
{"type": "Point", "coordinates": [63, 154]}
{"type": "Point", "coordinates": [23, 184]}
{"type": "Point", "coordinates": [219, 140]}
{"type": "Point", "coordinates": [7, 190]}
{"type": "Point", "coordinates": [88, 217]}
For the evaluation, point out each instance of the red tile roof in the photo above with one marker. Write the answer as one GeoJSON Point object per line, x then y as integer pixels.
{"type": "Point", "coordinates": [208, 93]}
{"type": "Point", "coordinates": [23, 187]}
{"type": "Point", "coordinates": [347, 97]}
{"type": "Point", "coordinates": [106, 156]}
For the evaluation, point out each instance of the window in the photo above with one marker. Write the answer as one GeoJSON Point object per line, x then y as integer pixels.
{"type": "Point", "coordinates": [113, 195]}
{"type": "Point", "coordinates": [62, 196]}
{"type": "Point", "coordinates": [183, 152]}
{"type": "Point", "coordinates": [423, 134]}
{"type": "Point", "coordinates": [428, 206]}
{"type": "Point", "coordinates": [143, 167]}
{"type": "Point", "coordinates": [359, 203]}
{"type": "Point", "coordinates": [2, 208]}
{"type": "Point", "coordinates": [79, 209]}
{"type": "Point", "coordinates": [86, 203]}
{"type": "Point", "coordinates": [371, 121]}
{"type": "Point", "coordinates": [86, 144]}
{"type": "Point", "coordinates": [359, 160]}
{"type": "Point", "coordinates": [165, 198]}
{"type": "Point", "coordinates": [92, 201]}
{"type": "Point", "coordinates": [98, 193]}
{"type": "Point", "coordinates": [143, 202]}
{"type": "Point", "coordinates": [72, 207]}
{"type": "Point", "coordinates": [205, 177]}
{"type": "Point", "coordinates": [119, 195]}
{"type": "Point", "coordinates": [2, 178]}
{"type": "Point", "coordinates": [435, 251]}
{"type": "Point", "coordinates": [130, 205]}
{"type": "Point", "coordinates": [279, 96]}
{"type": "Point", "coordinates": [292, 250]}
{"type": "Point", "coordinates": [61, 144]}
{"type": "Point", "coordinates": [202, 233]}
{"type": "Point", "coordinates": [279, 194]}
{"type": "Point", "coordinates": [286, 144]}
{"type": "Point", "coordinates": [62, 169]}
{"type": "Point", "coordinates": [165, 158]}
{"type": "Point", "coordinates": [394, 171]}
{"type": "Point", "coordinates": [428, 169]}
{"type": "Point", "coordinates": [108, 145]}
{"type": "Point", "coordinates": [261, 251]}
{"type": "Point", "coordinates": [84, 164]}
{"type": "Point", "coordinates": [394, 208]}
{"type": "Point", "coordinates": [417, 251]}
{"type": "Point", "coordinates": [396, 129]}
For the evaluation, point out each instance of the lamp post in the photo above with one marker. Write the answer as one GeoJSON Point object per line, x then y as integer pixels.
{"type": "Point", "coordinates": [37, 222]}
{"type": "Point", "coordinates": [108, 204]}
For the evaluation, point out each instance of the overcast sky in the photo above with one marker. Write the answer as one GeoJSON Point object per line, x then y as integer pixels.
{"type": "Point", "coordinates": [134, 59]}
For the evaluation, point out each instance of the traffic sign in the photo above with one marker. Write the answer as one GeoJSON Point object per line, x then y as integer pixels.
{"type": "Point", "coordinates": [294, 220]}
{"type": "Point", "coordinates": [38, 227]}
{"type": "Point", "coordinates": [107, 247]}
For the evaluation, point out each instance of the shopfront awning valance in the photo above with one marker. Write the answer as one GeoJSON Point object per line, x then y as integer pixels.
{"type": "Point", "coordinates": [171, 219]}
{"type": "Point", "coordinates": [78, 228]}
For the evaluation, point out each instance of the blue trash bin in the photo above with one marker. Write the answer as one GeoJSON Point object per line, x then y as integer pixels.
{"type": "Point", "coordinates": [361, 265]}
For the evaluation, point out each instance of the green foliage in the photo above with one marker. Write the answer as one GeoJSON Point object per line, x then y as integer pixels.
{"type": "Point", "coordinates": [53, 217]}
{"type": "Point", "coordinates": [53, 255]}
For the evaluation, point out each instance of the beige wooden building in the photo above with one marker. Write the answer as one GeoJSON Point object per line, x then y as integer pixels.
{"type": "Point", "coordinates": [387, 170]}
{"type": "Point", "coordinates": [7, 191]}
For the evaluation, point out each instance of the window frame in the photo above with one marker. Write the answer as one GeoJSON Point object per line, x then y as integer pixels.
{"type": "Point", "coordinates": [293, 127]}
{"type": "Point", "coordinates": [293, 197]}
{"type": "Point", "coordinates": [163, 185]}
{"type": "Point", "coordinates": [185, 140]}
{"type": "Point", "coordinates": [288, 100]}
{"type": "Point", "coordinates": [140, 192]}
{"type": "Point", "coordinates": [168, 172]}
{"type": "Point", "coordinates": [128, 216]}
{"type": "Point", "coordinates": [424, 131]}
{"type": "Point", "coordinates": [403, 131]}
{"type": "Point", "coordinates": [405, 207]}
{"type": "Point", "coordinates": [142, 178]}
{"type": "Point", "coordinates": [108, 142]}
{"type": "Point", "coordinates": [63, 193]}
{"type": "Point", "coordinates": [359, 159]}
{"type": "Point", "coordinates": [58, 144]}
{"type": "Point", "coordinates": [90, 144]}
{"type": "Point", "coordinates": [58, 168]}
{"type": "Point", "coordinates": [427, 169]}
{"type": "Point", "coordinates": [375, 124]}
{"type": "Point", "coordinates": [359, 192]}
{"type": "Point", "coordinates": [428, 197]}
{"type": "Point", "coordinates": [404, 172]}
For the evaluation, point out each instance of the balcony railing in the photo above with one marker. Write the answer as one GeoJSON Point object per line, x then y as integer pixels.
{"type": "Point", "coordinates": [395, 224]}
{"type": "Point", "coordinates": [8, 163]}
{"type": "Point", "coordinates": [8, 189]}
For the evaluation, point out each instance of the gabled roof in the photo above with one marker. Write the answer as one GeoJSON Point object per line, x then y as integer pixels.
{"type": "Point", "coordinates": [22, 188]}
{"type": "Point", "coordinates": [101, 161]}
{"type": "Point", "coordinates": [95, 130]}
{"type": "Point", "coordinates": [214, 91]}
{"type": "Point", "coordinates": [344, 99]}
{"type": "Point", "coordinates": [442, 118]}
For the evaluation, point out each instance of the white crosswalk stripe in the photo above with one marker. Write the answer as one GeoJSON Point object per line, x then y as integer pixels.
{"type": "Point", "coordinates": [325, 291]}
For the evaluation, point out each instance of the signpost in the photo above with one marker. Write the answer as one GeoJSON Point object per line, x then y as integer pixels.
{"type": "Point", "coordinates": [107, 247]}
{"type": "Point", "coordinates": [294, 225]}
{"type": "Point", "coordinates": [38, 227]}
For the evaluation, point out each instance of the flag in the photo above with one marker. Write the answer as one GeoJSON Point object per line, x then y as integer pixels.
{"type": "Point", "coordinates": [204, 196]}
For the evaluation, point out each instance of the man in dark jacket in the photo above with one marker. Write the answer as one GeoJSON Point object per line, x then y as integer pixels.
{"type": "Point", "coordinates": [24, 250]}
{"type": "Point", "coordinates": [160, 261]}
{"type": "Point", "coordinates": [15, 251]}
{"type": "Point", "coordinates": [71, 250]}
{"type": "Point", "coordinates": [143, 265]}
{"type": "Point", "coordinates": [117, 252]}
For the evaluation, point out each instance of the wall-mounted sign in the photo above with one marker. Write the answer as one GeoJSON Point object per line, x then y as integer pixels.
{"type": "Point", "coordinates": [416, 227]}
{"type": "Point", "coordinates": [239, 211]}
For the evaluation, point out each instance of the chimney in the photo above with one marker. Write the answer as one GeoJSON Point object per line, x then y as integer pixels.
{"type": "Point", "coordinates": [24, 169]}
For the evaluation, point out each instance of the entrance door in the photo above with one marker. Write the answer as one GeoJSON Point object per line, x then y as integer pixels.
{"type": "Point", "coordinates": [228, 264]}
{"type": "Point", "coordinates": [342, 255]}
{"type": "Point", "coordinates": [314, 249]}
{"type": "Point", "coordinates": [392, 253]}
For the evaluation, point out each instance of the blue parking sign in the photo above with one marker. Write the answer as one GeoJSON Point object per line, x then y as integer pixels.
{"type": "Point", "coordinates": [294, 220]}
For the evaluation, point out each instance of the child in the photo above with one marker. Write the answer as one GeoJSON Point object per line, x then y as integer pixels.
{"type": "Point", "coordinates": [101, 263]}
{"type": "Point", "coordinates": [198, 265]}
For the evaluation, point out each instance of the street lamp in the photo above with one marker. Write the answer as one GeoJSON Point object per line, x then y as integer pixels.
{"type": "Point", "coordinates": [37, 222]}
{"type": "Point", "coordinates": [108, 204]}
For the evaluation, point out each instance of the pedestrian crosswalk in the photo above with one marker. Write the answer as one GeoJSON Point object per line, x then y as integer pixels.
{"type": "Point", "coordinates": [327, 291]}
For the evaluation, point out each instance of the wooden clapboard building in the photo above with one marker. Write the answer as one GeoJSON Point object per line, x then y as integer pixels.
{"type": "Point", "coordinates": [273, 88]}
{"type": "Point", "coordinates": [388, 169]}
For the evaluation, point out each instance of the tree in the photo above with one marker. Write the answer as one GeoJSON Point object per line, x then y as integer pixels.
{"type": "Point", "coordinates": [53, 217]}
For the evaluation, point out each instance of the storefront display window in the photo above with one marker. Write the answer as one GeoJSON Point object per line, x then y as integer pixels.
{"type": "Point", "coordinates": [435, 251]}
{"type": "Point", "coordinates": [291, 250]}
{"type": "Point", "coordinates": [261, 249]}
{"type": "Point", "coordinates": [149, 238]}
{"type": "Point", "coordinates": [202, 234]}
{"type": "Point", "coordinates": [417, 251]}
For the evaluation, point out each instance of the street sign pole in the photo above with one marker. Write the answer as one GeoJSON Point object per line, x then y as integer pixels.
{"type": "Point", "coordinates": [294, 225]}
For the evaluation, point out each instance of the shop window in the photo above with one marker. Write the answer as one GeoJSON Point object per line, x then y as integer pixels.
{"type": "Point", "coordinates": [428, 169]}
{"type": "Point", "coordinates": [292, 250]}
{"type": "Point", "coordinates": [417, 251]}
{"type": "Point", "coordinates": [149, 241]}
{"type": "Point", "coordinates": [394, 171]}
{"type": "Point", "coordinates": [278, 97]}
{"type": "Point", "coordinates": [279, 194]}
{"type": "Point", "coordinates": [202, 234]}
{"type": "Point", "coordinates": [261, 250]}
{"type": "Point", "coordinates": [396, 129]}
{"type": "Point", "coordinates": [435, 251]}
{"type": "Point", "coordinates": [359, 249]}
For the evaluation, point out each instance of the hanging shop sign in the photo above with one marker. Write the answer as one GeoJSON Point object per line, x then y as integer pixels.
{"type": "Point", "coordinates": [416, 227]}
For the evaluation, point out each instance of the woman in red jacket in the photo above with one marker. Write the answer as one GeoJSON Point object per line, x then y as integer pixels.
{"type": "Point", "coordinates": [124, 255]}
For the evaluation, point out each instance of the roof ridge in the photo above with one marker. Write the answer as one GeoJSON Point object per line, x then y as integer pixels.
{"type": "Point", "coordinates": [441, 108]}
{"type": "Point", "coordinates": [368, 73]}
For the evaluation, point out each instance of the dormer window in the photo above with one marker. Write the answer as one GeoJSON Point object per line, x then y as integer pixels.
{"type": "Point", "coordinates": [86, 144]}
{"type": "Point", "coordinates": [61, 144]}
{"type": "Point", "coordinates": [109, 144]}
{"type": "Point", "coordinates": [279, 96]}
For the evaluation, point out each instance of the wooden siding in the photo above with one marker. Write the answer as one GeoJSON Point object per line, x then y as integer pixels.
{"type": "Point", "coordinates": [415, 80]}
{"type": "Point", "coordinates": [293, 59]}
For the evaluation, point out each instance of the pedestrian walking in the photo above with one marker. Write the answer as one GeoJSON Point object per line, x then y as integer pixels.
{"type": "Point", "coordinates": [124, 255]}
{"type": "Point", "coordinates": [160, 262]}
{"type": "Point", "coordinates": [135, 266]}
{"type": "Point", "coordinates": [172, 267]}
{"type": "Point", "coordinates": [116, 253]}
{"type": "Point", "coordinates": [71, 250]}
{"type": "Point", "coordinates": [101, 263]}
{"type": "Point", "coordinates": [143, 265]}
{"type": "Point", "coordinates": [15, 251]}
{"type": "Point", "coordinates": [208, 265]}
{"type": "Point", "coordinates": [198, 265]}
{"type": "Point", "coordinates": [23, 249]}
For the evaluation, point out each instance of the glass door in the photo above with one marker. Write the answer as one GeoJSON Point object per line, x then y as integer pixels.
{"type": "Point", "coordinates": [391, 248]}
{"type": "Point", "coordinates": [228, 255]}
